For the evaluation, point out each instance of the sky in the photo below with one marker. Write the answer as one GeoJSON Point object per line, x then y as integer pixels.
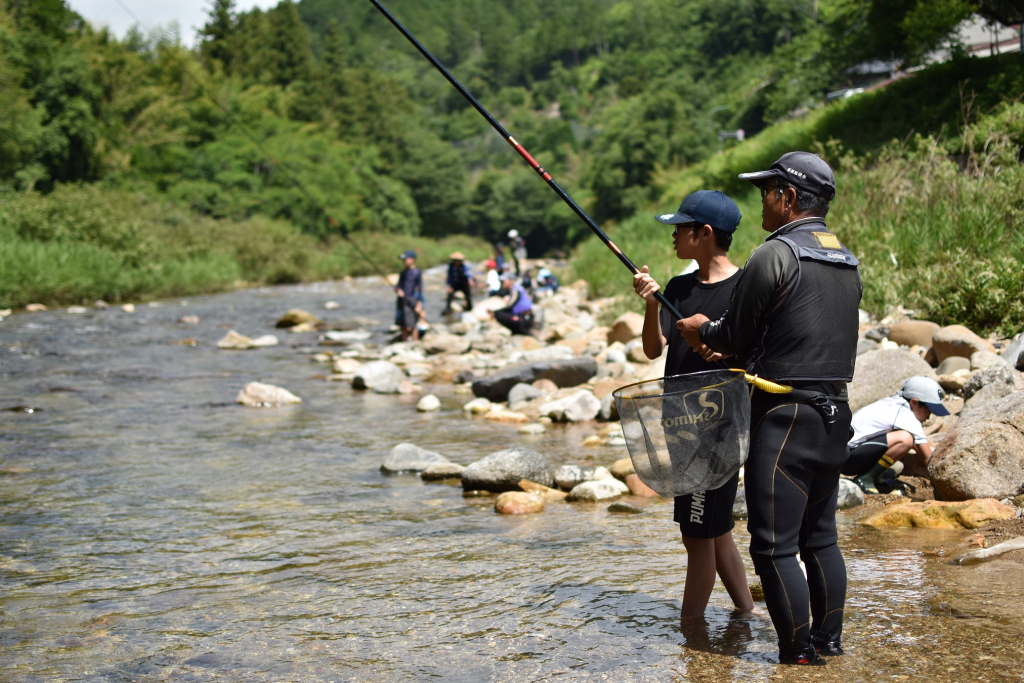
{"type": "Point", "coordinates": [190, 14]}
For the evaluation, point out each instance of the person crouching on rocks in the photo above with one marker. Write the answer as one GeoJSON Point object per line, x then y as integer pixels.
{"type": "Point", "coordinates": [518, 312]}
{"type": "Point", "coordinates": [886, 430]}
{"type": "Point", "coordinates": [704, 226]}
{"type": "Point", "coordinates": [410, 296]}
{"type": "Point", "coordinates": [460, 279]}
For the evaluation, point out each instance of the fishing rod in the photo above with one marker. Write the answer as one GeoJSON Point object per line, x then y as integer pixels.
{"type": "Point", "coordinates": [562, 194]}
{"type": "Point", "coordinates": [320, 210]}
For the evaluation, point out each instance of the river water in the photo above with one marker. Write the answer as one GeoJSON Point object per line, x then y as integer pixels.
{"type": "Point", "coordinates": [151, 530]}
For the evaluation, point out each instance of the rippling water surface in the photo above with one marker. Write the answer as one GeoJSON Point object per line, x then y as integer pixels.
{"type": "Point", "coordinates": [152, 530]}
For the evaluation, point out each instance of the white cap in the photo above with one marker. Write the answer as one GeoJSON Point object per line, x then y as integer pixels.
{"type": "Point", "coordinates": [513, 233]}
{"type": "Point", "coordinates": [927, 391]}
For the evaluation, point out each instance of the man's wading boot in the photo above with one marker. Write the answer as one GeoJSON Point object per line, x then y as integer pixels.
{"type": "Point", "coordinates": [804, 658]}
{"type": "Point", "coordinates": [824, 646]}
{"type": "Point", "coordinates": [866, 481]}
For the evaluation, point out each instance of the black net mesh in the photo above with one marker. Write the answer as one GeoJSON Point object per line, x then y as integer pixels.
{"type": "Point", "coordinates": [686, 433]}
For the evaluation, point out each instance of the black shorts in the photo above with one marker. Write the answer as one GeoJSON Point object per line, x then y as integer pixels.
{"type": "Point", "coordinates": [409, 317]}
{"type": "Point", "coordinates": [864, 456]}
{"type": "Point", "coordinates": [707, 514]}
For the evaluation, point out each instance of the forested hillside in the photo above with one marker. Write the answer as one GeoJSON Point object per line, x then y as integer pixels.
{"type": "Point", "coordinates": [622, 101]}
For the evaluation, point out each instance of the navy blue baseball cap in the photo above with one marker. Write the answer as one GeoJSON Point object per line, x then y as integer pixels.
{"type": "Point", "coordinates": [707, 207]}
{"type": "Point", "coordinates": [804, 170]}
{"type": "Point", "coordinates": [407, 254]}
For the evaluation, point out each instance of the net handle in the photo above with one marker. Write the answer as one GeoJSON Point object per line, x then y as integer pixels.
{"type": "Point", "coordinates": [763, 384]}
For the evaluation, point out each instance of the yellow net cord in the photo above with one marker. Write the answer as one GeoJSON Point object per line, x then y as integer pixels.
{"type": "Point", "coordinates": [764, 384]}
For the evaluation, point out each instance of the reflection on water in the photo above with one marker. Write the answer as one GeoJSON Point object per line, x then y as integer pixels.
{"type": "Point", "coordinates": [152, 530]}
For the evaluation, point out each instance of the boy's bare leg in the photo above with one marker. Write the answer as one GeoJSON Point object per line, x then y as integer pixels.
{"type": "Point", "coordinates": [730, 567]}
{"type": "Point", "coordinates": [700, 576]}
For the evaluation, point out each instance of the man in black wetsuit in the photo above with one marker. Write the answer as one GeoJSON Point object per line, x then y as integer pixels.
{"type": "Point", "coordinates": [793, 319]}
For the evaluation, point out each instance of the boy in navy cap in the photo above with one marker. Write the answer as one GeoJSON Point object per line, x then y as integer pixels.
{"type": "Point", "coordinates": [704, 227]}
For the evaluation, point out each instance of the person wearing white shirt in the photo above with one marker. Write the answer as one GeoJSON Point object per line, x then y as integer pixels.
{"type": "Point", "coordinates": [888, 429]}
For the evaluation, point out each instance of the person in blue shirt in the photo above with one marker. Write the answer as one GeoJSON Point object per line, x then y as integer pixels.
{"type": "Point", "coordinates": [410, 296]}
{"type": "Point", "coordinates": [546, 281]}
{"type": "Point", "coordinates": [518, 313]}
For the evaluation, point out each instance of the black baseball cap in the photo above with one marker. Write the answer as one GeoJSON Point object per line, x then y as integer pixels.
{"type": "Point", "coordinates": [707, 207]}
{"type": "Point", "coordinates": [804, 170]}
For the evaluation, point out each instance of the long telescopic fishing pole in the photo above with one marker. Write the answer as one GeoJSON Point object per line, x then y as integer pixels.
{"type": "Point", "coordinates": [563, 195]}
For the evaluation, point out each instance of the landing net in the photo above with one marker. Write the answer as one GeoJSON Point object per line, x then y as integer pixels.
{"type": "Point", "coordinates": [686, 433]}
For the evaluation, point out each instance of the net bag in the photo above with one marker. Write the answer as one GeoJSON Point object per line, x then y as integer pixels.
{"type": "Point", "coordinates": [686, 433]}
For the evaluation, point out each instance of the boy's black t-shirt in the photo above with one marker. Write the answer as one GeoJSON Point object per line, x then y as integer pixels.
{"type": "Point", "coordinates": [690, 296]}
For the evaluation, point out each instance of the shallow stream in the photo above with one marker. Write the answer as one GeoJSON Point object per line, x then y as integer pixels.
{"type": "Point", "coordinates": [150, 530]}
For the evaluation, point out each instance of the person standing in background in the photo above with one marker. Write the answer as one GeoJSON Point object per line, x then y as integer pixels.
{"type": "Point", "coordinates": [410, 296]}
{"type": "Point", "coordinates": [518, 246]}
{"type": "Point", "coordinates": [460, 279]}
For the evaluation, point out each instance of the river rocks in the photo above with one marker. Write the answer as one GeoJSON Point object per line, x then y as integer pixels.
{"type": "Point", "coordinates": [954, 383]}
{"type": "Point", "coordinates": [478, 406]}
{"type": "Point", "coordinates": [622, 468]}
{"type": "Point", "coordinates": [428, 404]}
{"type": "Point", "coordinates": [953, 364]}
{"type": "Point", "coordinates": [881, 373]}
{"type": "Point", "coordinates": [380, 376]}
{"type": "Point", "coordinates": [345, 337]}
{"type": "Point", "coordinates": [128, 308]}
{"type": "Point", "coordinates": [609, 409]}
{"type": "Point", "coordinates": [235, 342]}
{"type": "Point", "coordinates": [407, 457]}
{"type": "Point", "coordinates": [547, 492]}
{"type": "Point", "coordinates": [626, 327]}
{"type": "Point", "coordinates": [913, 332]}
{"type": "Point", "coordinates": [983, 360]}
{"type": "Point", "coordinates": [568, 477]}
{"type": "Point", "coordinates": [441, 471]}
{"type": "Point", "coordinates": [189, 320]}
{"type": "Point", "coordinates": [522, 393]}
{"type": "Point", "coordinates": [850, 495]}
{"type": "Point", "coordinates": [865, 345]}
{"type": "Point", "coordinates": [532, 429]}
{"type": "Point", "coordinates": [502, 471]}
{"type": "Point", "coordinates": [615, 356]}
{"type": "Point", "coordinates": [638, 488]}
{"type": "Point", "coordinates": [499, 414]}
{"type": "Point", "coordinates": [569, 372]}
{"type": "Point", "coordinates": [445, 343]}
{"type": "Point", "coordinates": [297, 316]}
{"type": "Point", "coordinates": [1014, 353]}
{"type": "Point", "coordinates": [518, 503]}
{"type": "Point", "coordinates": [259, 395]}
{"type": "Point", "coordinates": [578, 407]}
{"type": "Point", "coordinates": [593, 491]}
{"type": "Point", "coordinates": [988, 385]}
{"type": "Point", "coordinates": [265, 340]}
{"type": "Point", "coordinates": [346, 366]}
{"type": "Point", "coordinates": [983, 454]}
{"type": "Point", "coordinates": [624, 508]}
{"type": "Point", "coordinates": [933, 514]}
{"type": "Point", "coordinates": [957, 340]}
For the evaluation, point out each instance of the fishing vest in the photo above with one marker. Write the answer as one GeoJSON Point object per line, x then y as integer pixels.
{"type": "Point", "coordinates": [812, 333]}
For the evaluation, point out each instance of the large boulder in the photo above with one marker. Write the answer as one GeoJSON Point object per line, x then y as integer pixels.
{"type": "Point", "coordinates": [627, 326]}
{"type": "Point", "coordinates": [850, 495]}
{"type": "Point", "coordinates": [297, 316]}
{"type": "Point", "coordinates": [913, 332]}
{"type": "Point", "coordinates": [407, 457]}
{"type": "Point", "coordinates": [881, 373]}
{"type": "Point", "coordinates": [502, 471]}
{"type": "Point", "coordinates": [568, 372]}
{"type": "Point", "coordinates": [957, 340]}
{"type": "Point", "coordinates": [995, 382]}
{"type": "Point", "coordinates": [983, 454]}
{"type": "Point", "coordinates": [381, 376]}
{"type": "Point", "coordinates": [934, 514]}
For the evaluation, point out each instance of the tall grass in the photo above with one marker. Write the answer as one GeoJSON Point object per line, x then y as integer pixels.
{"type": "Point", "coordinates": [81, 243]}
{"type": "Point", "coordinates": [938, 223]}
